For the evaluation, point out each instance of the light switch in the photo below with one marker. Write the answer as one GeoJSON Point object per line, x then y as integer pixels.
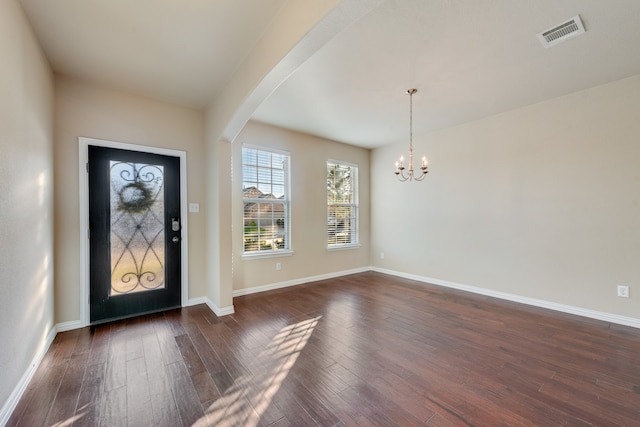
{"type": "Point", "coordinates": [194, 207]}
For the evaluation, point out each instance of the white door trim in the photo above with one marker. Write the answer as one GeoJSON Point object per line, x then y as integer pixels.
{"type": "Point", "coordinates": [84, 144]}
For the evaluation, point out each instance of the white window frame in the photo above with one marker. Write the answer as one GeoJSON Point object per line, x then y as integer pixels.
{"type": "Point", "coordinates": [354, 205]}
{"type": "Point", "coordinates": [286, 201]}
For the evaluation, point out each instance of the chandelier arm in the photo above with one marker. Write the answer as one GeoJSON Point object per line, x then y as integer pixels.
{"type": "Point", "coordinates": [401, 176]}
{"type": "Point", "coordinates": [422, 176]}
{"type": "Point", "coordinates": [410, 175]}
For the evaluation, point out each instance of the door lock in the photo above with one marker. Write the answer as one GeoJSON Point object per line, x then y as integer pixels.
{"type": "Point", "coordinates": [175, 224]}
{"type": "Point", "coordinates": [175, 239]}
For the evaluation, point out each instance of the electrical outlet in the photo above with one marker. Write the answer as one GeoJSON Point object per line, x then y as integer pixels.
{"type": "Point", "coordinates": [278, 266]}
{"type": "Point", "coordinates": [623, 291]}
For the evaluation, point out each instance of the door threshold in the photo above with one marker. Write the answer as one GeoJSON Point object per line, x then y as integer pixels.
{"type": "Point", "coordinates": [145, 313]}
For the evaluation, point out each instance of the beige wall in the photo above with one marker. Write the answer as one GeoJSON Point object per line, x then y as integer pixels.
{"type": "Point", "coordinates": [309, 157]}
{"type": "Point", "coordinates": [297, 32]}
{"type": "Point", "coordinates": [90, 111]}
{"type": "Point", "coordinates": [26, 189]}
{"type": "Point", "coordinates": [218, 250]}
{"type": "Point", "coordinates": [541, 202]}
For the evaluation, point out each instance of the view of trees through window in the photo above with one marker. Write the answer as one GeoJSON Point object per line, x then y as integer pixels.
{"type": "Point", "coordinates": [265, 176]}
{"type": "Point", "coordinates": [265, 193]}
{"type": "Point", "coordinates": [342, 204]}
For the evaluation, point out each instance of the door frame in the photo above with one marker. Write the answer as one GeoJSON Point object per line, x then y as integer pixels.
{"type": "Point", "coordinates": [83, 145]}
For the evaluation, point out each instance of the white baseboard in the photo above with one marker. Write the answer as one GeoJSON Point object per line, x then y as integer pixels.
{"type": "Point", "coordinates": [295, 282]}
{"type": "Point", "coordinates": [579, 311]}
{"type": "Point", "coordinates": [11, 403]}
{"type": "Point", "coordinates": [196, 301]}
{"type": "Point", "coordinates": [219, 311]}
{"type": "Point", "coordinates": [68, 326]}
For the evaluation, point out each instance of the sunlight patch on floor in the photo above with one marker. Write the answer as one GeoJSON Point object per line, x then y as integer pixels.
{"type": "Point", "coordinates": [69, 421]}
{"type": "Point", "coordinates": [248, 398]}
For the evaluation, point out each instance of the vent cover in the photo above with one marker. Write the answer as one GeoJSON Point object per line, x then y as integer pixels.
{"type": "Point", "coordinates": [562, 32]}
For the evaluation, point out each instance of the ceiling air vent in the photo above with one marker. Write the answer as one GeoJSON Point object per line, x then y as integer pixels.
{"type": "Point", "coordinates": [562, 32]}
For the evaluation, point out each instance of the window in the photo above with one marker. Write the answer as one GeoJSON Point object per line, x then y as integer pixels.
{"type": "Point", "coordinates": [342, 205]}
{"type": "Point", "coordinates": [265, 193]}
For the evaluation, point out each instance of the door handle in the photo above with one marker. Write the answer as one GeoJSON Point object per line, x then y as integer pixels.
{"type": "Point", "coordinates": [175, 224]}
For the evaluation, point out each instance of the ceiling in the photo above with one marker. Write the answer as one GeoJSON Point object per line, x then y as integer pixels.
{"type": "Point", "coordinates": [468, 58]}
{"type": "Point", "coordinates": [183, 51]}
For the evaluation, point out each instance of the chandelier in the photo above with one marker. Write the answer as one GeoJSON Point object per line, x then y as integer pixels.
{"type": "Point", "coordinates": [408, 174]}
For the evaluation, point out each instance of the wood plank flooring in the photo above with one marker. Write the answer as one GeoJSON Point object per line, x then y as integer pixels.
{"type": "Point", "coordinates": [361, 350]}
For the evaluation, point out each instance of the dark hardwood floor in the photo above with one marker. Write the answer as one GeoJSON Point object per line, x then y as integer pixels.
{"type": "Point", "coordinates": [361, 350]}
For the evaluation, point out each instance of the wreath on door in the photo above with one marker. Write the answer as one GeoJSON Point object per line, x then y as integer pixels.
{"type": "Point", "coordinates": [135, 197]}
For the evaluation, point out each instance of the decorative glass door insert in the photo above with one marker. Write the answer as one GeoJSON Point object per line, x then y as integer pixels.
{"type": "Point", "coordinates": [137, 227]}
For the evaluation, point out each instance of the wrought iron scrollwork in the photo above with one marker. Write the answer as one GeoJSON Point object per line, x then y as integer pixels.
{"type": "Point", "coordinates": [137, 227]}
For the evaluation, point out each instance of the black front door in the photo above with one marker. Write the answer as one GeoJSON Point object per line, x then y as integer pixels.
{"type": "Point", "coordinates": [134, 232]}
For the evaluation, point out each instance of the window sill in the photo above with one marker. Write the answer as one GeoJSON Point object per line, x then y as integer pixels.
{"type": "Point", "coordinates": [267, 254]}
{"type": "Point", "coordinates": [343, 247]}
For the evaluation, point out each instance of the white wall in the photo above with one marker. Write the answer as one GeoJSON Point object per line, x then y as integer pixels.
{"type": "Point", "coordinates": [309, 157]}
{"type": "Point", "coordinates": [26, 188]}
{"type": "Point", "coordinates": [87, 110]}
{"type": "Point", "coordinates": [541, 202]}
